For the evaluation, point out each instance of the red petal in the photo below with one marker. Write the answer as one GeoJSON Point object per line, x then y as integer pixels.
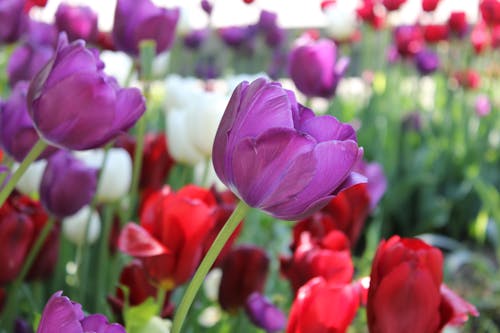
{"type": "Point", "coordinates": [137, 242]}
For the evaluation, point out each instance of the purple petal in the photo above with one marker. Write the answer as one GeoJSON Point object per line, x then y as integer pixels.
{"type": "Point", "coordinates": [60, 315]}
{"type": "Point", "coordinates": [326, 128]}
{"type": "Point", "coordinates": [130, 106]}
{"type": "Point", "coordinates": [264, 314]}
{"type": "Point", "coordinates": [341, 66]}
{"type": "Point", "coordinates": [157, 28]}
{"type": "Point", "coordinates": [98, 323]}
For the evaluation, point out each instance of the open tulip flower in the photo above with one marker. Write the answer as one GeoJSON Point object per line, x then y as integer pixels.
{"type": "Point", "coordinates": [276, 155]}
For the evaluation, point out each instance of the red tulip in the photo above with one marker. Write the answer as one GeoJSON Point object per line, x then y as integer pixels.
{"type": "Point", "coordinates": [323, 307]}
{"type": "Point", "coordinates": [34, 3]}
{"type": "Point", "coordinates": [468, 79]}
{"type": "Point", "coordinates": [329, 258]}
{"type": "Point", "coordinates": [244, 271]}
{"type": "Point", "coordinates": [172, 233]}
{"type": "Point", "coordinates": [405, 293]}
{"type": "Point", "coordinates": [495, 36]}
{"type": "Point", "coordinates": [368, 13]}
{"type": "Point", "coordinates": [434, 33]}
{"type": "Point", "coordinates": [391, 5]}
{"type": "Point", "coordinates": [490, 11]}
{"type": "Point", "coordinates": [429, 5]}
{"type": "Point", "coordinates": [480, 38]}
{"type": "Point", "coordinates": [457, 23]}
{"type": "Point", "coordinates": [408, 39]}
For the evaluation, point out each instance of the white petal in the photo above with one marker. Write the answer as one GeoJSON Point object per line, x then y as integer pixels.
{"type": "Point", "coordinates": [75, 226]}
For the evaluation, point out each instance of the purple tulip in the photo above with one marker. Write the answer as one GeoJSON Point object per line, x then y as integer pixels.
{"type": "Point", "coordinates": [26, 61]}
{"type": "Point", "coordinates": [264, 314]}
{"type": "Point", "coordinates": [195, 38]}
{"type": "Point", "coordinates": [314, 67]}
{"type": "Point", "coordinates": [268, 25]}
{"type": "Point", "coordinates": [207, 6]}
{"type": "Point", "coordinates": [138, 20]}
{"type": "Point", "coordinates": [61, 315]}
{"type": "Point", "coordinates": [17, 133]}
{"type": "Point", "coordinates": [79, 22]}
{"type": "Point", "coordinates": [482, 106]}
{"type": "Point", "coordinates": [75, 105]}
{"type": "Point", "coordinates": [67, 184]}
{"type": "Point", "coordinates": [236, 37]}
{"type": "Point", "coordinates": [427, 62]}
{"type": "Point", "coordinates": [41, 33]}
{"type": "Point", "coordinates": [13, 20]}
{"type": "Point", "coordinates": [276, 155]}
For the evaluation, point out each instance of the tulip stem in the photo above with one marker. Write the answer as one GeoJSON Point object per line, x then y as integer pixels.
{"type": "Point", "coordinates": [234, 220]}
{"type": "Point", "coordinates": [10, 308]}
{"type": "Point", "coordinates": [37, 149]}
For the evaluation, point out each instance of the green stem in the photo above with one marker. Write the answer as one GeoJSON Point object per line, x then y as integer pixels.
{"type": "Point", "coordinates": [103, 261]}
{"type": "Point", "coordinates": [207, 262]}
{"type": "Point", "coordinates": [136, 168]}
{"type": "Point", "coordinates": [10, 308]}
{"type": "Point", "coordinates": [37, 149]}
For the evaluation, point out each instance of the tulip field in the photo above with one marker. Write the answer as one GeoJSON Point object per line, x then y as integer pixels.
{"type": "Point", "coordinates": [174, 173]}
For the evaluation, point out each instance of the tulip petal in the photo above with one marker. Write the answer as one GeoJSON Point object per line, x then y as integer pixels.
{"type": "Point", "coordinates": [327, 128]}
{"type": "Point", "coordinates": [133, 101]}
{"type": "Point", "coordinates": [256, 175]}
{"type": "Point", "coordinates": [60, 315]}
{"type": "Point", "coordinates": [454, 310]}
{"type": "Point", "coordinates": [137, 242]}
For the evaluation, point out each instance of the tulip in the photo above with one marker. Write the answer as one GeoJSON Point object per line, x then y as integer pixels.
{"type": "Point", "coordinates": [67, 184]}
{"type": "Point", "coordinates": [322, 306]}
{"type": "Point", "coordinates": [139, 20]}
{"type": "Point", "coordinates": [266, 139]}
{"type": "Point", "coordinates": [13, 20]}
{"type": "Point", "coordinates": [79, 22]}
{"type": "Point", "coordinates": [41, 33]}
{"type": "Point", "coordinates": [26, 61]}
{"type": "Point", "coordinates": [468, 79]}
{"type": "Point", "coordinates": [490, 11]}
{"type": "Point", "coordinates": [341, 20]}
{"type": "Point", "coordinates": [115, 175]}
{"type": "Point", "coordinates": [244, 271]}
{"type": "Point", "coordinates": [170, 238]}
{"type": "Point", "coordinates": [99, 110]}
{"type": "Point", "coordinates": [480, 37]}
{"type": "Point", "coordinates": [61, 315]}
{"type": "Point", "coordinates": [392, 5]}
{"type": "Point", "coordinates": [17, 133]}
{"type": "Point", "coordinates": [427, 62]}
{"type": "Point", "coordinates": [434, 33]}
{"type": "Point", "coordinates": [34, 3]}
{"type": "Point", "coordinates": [82, 227]}
{"type": "Point", "coordinates": [195, 38]}
{"type": "Point", "coordinates": [368, 13]}
{"type": "Point", "coordinates": [405, 289]}
{"type": "Point", "coordinates": [429, 5]}
{"type": "Point", "coordinates": [264, 314]}
{"type": "Point", "coordinates": [236, 37]}
{"type": "Point", "coordinates": [408, 39]}
{"type": "Point", "coordinates": [482, 106]}
{"type": "Point", "coordinates": [315, 68]}
{"type": "Point", "coordinates": [207, 6]}
{"type": "Point", "coordinates": [329, 258]}
{"type": "Point", "coordinates": [457, 23]}
{"type": "Point", "coordinates": [268, 25]}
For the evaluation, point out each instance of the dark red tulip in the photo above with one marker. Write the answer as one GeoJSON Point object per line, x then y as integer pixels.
{"type": "Point", "coordinates": [434, 33]}
{"type": "Point", "coordinates": [408, 40]}
{"type": "Point", "coordinates": [429, 5]}
{"type": "Point", "coordinates": [172, 232]}
{"type": "Point", "coordinates": [244, 271]}
{"type": "Point", "coordinates": [405, 293]}
{"type": "Point", "coordinates": [457, 23]}
{"type": "Point", "coordinates": [323, 307]}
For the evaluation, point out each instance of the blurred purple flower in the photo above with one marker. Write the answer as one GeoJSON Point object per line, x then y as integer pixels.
{"type": "Point", "coordinates": [67, 184]}
{"type": "Point", "coordinates": [79, 22]}
{"type": "Point", "coordinates": [207, 69]}
{"type": "Point", "coordinates": [412, 122]}
{"type": "Point", "coordinates": [41, 33]}
{"type": "Point", "coordinates": [17, 134]}
{"type": "Point", "coordinates": [426, 61]}
{"type": "Point", "coordinates": [482, 106]}
{"type": "Point", "coordinates": [237, 36]}
{"type": "Point", "coordinates": [274, 35]}
{"type": "Point", "coordinates": [61, 315]}
{"type": "Point", "coordinates": [264, 314]}
{"type": "Point", "coordinates": [75, 105]}
{"type": "Point", "coordinates": [207, 6]}
{"type": "Point", "coordinates": [315, 68]}
{"type": "Point", "coordinates": [13, 20]}
{"type": "Point", "coordinates": [195, 38]}
{"type": "Point", "coordinates": [276, 155]}
{"type": "Point", "coordinates": [27, 60]}
{"type": "Point", "coordinates": [377, 182]}
{"type": "Point", "coordinates": [139, 20]}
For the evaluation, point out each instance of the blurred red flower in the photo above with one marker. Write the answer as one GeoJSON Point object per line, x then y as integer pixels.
{"type": "Point", "coordinates": [429, 5]}
{"type": "Point", "coordinates": [434, 33]}
{"type": "Point", "coordinates": [457, 23]}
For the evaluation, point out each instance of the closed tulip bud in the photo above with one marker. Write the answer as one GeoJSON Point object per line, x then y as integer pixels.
{"type": "Point", "coordinates": [139, 20]}
{"type": "Point", "coordinates": [115, 175]}
{"type": "Point", "coordinates": [82, 227]}
{"type": "Point", "coordinates": [74, 105]}
{"type": "Point", "coordinates": [244, 271]}
{"type": "Point", "coordinates": [322, 306]}
{"type": "Point", "coordinates": [315, 68]}
{"type": "Point", "coordinates": [266, 140]}
{"type": "Point", "coordinates": [17, 132]}
{"type": "Point", "coordinates": [26, 61]}
{"type": "Point", "coordinates": [79, 22]}
{"type": "Point", "coordinates": [67, 184]}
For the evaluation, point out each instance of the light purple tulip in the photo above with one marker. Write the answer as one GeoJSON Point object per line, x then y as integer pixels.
{"type": "Point", "coordinates": [315, 68]}
{"type": "Point", "coordinates": [276, 155]}
{"type": "Point", "coordinates": [138, 20]}
{"type": "Point", "coordinates": [264, 314]}
{"type": "Point", "coordinates": [61, 315]}
{"type": "Point", "coordinates": [75, 105]}
{"type": "Point", "coordinates": [79, 22]}
{"type": "Point", "coordinates": [67, 184]}
{"type": "Point", "coordinates": [17, 134]}
{"type": "Point", "coordinates": [13, 20]}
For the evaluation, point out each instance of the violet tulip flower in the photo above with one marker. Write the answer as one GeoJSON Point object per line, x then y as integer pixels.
{"type": "Point", "coordinates": [264, 314]}
{"type": "Point", "coordinates": [61, 315]}
{"type": "Point", "coordinates": [276, 155]}
{"type": "Point", "coordinates": [67, 184]}
{"type": "Point", "coordinates": [27, 60]}
{"type": "Point", "coordinates": [75, 105]}
{"type": "Point", "coordinates": [17, 134]}
{"type": "Point", "coordinates": [13, 20]}
{"type": "Point", "coordinates": [427, 62]}
{"type": "Point", "coordinates": [79, 22]}
{"type": "Point", "coordinates": [315, 68]}
{"type": "Point", "coordinates": [138, 20]}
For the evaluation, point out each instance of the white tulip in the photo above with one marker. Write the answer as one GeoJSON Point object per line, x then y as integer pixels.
{"type": "Point", "coordinates": [341, 20]}
{"type": "Point", "coordinates": [29, 183]}
{"type": "Point", "coordinates": [116, 177]}
{"type": "Point", "coordinates": [179, 142]}
{"type": "Point", "coordinates": [74, 227]}
{"type": "Point", "coordinates": [179, 90]}
{"type": "Point", "coordinates": [207, 177]}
